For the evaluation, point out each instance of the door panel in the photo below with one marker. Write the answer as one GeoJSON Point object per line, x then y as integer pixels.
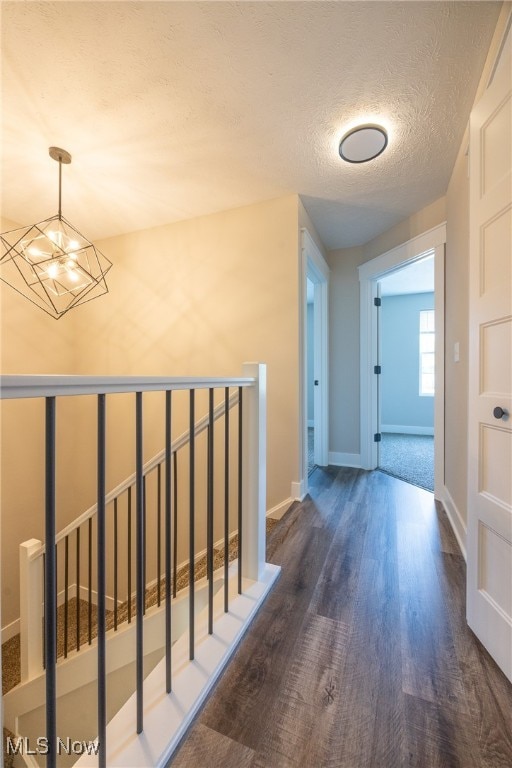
{"type": "Point", "coordinates": [495, 454]}
{"type": "Point", "coordinates": [495, 268]}
{"type": "Point", "coordinates": [495, 154]}
{"type": "Point", "coordinates": [495, 369]}
{"type": "Point", "coordinates": [495, 558]}
{"type": "Point", "coordinates": [489, 544]}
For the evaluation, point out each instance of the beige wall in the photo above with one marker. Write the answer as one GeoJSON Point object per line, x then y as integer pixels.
{"type": "Point", "coordinates": [195, 298]}
{"type": "Point", "coordinates": [425, 219]}
{"type": "Point", "coordinates": [344, 349]}
{"type": "Point", "coordinates": [456, 330]}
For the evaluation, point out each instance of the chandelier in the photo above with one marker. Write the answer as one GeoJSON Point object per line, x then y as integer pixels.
{"type": "Point", "coordinates": [51, 263]}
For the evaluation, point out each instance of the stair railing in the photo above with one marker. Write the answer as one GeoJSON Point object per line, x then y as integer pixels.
{"type": "Point", "coordinates": [251, 399]}
{"type": "Point", "coordinates": [81, 530]}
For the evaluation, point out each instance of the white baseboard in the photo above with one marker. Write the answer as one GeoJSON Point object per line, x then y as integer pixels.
{"type": "Point", "coordinates": [456, 520]}
{"type": "Point", "coordinates": [298, 491]}
{"type": "Point", "coordinates": [84, 595]}
{"type": "Point", "coordinates": [345, 459]}
{"type": "Point", "coordinates": [400, 429]}
{"type": "Point", "coordinates": [10, 630]}
{"type": "Point", "coordinates": [279, 510]}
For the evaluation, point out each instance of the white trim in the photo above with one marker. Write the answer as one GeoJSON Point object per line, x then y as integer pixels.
{"type": "Point", "coordinates": [298, 490]}
{"type": "Point", "coordinates": [23, 386]}
{"type": "Point", "coordinates": [456, 520]}
{"type": "Point", "coordinates": [345, 459]}
{"type": "Point", "coordinates": [407, 253]}
{"type": "Point", "coordinates": [277, 512]}
{"type": "Point", "coordinates": [400, 429]}
{"type": "Point", "coordinates": [369, 273]}
{"type": "Point", "coordinates": [10, 630]}
{"type": "Point", "coordinates": [314, 267]}
{"type": "Point", "coordinates": [167, 716]}
{"type": "Point", "coordinates": [439, 308]}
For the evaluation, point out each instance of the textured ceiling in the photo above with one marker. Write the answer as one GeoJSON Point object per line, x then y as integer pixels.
{"type": "Point", "coordinates": [173, 110]}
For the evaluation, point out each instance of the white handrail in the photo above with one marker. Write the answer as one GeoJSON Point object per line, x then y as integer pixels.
{"type": "Point", "coordinates": [24, 386]}
{"type": "Point", "coordinates": [178, 443]}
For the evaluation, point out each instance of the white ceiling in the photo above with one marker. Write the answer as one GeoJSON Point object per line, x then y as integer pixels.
{"type": "Point", "coordinates": [414, 278]}
{"type": "Point", "coordinates": [173, 110]}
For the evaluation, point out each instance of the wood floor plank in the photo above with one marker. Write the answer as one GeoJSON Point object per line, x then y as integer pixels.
{"type": "Point", "coordinates": [204, 747]}
{"type": "Point", "coordinates": [430, 666]}
{"type": "Point", "coordinates": [370, 731]}
{"type": "Point", "coordinates": [438, 737]}
{"type": "Point", "coordinates": [304, 711]}
{"type": "Point", "coordinates": [337, 584]}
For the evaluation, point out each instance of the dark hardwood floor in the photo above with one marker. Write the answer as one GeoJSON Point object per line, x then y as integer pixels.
{"type": "Point", "coordinates": [361, 655]}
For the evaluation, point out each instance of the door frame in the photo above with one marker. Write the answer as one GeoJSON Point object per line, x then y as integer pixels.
{"type": "Point", "coordinates": [314, 267]}
{"type": "Point", "coordinates": [430, 242]}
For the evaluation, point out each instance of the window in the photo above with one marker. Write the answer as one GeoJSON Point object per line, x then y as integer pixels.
{"type": "Point", "coordinates": [427, 352]}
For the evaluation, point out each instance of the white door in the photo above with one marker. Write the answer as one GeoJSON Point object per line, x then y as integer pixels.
{"type": "Point", "coordinates": [489, 551]}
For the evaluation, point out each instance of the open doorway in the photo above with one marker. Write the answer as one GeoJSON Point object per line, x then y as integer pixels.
{"type": "Point", "coordinates": [406, 383]}
{"type": "Point", "coordinates": [431, 243]}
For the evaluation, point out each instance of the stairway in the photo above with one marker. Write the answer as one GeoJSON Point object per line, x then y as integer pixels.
{"type": "Point", "coordinates": [11, 648]}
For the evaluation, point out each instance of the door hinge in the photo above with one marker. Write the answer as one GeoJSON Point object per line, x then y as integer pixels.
{"type": "Point", "coordinates": [377, 369]}
{"type": "Point", "coordinates": [377, 437]}
{"type": "Point", "coordinates": [377, 301]}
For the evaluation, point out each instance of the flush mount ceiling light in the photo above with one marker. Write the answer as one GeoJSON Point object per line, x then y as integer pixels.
{"type": "Point", "coordinates": [50, 263]}
{"type": "Point", "coordinates": [363, 143]}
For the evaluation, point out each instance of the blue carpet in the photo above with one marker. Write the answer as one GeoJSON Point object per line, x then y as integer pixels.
{"type": "Point", "coordinates": [408, 457]}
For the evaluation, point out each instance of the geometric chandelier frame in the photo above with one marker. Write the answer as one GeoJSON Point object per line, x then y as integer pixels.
{"type": "Point", "coordinates": [51, 263]}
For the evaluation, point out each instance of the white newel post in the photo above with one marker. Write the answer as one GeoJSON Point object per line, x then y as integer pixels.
{"type": "Point", "coordinates": [31, 610]}
{"type": "Point", "coordinates": [254, 471]}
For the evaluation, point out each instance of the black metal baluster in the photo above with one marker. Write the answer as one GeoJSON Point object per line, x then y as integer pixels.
{"type": "Point", "coordinates": [56, 585]}
{"type": "Point", "coordinates": [77, 620]}
{"type": "Point", "coordinates": [66, 584]}
{"type": "Point", "coordinates": [50, 585]}
{"type": "Point", "coordinates": [158, 532]}
{"type": "Point", "coordinates": [139, 570]}
{"type": "Point", "coordinates": [168, 607]}
{"type": "Point", "coordinates": [115, 564]}
{"type": "Point", "coordinates": [129, 554]}
{"type": "Point", "coordinates": [209, 531]}
{"type": "Point", "coordinates": [175, 523]}
{"type": "Point", "coordinates": [145, 541]}
{"type": "Point", "coordinates": [44, 612]}
{"type": "Point", "coordinates": [101, 577]}
{"type": "Point", "coordinates": [89, 595]}
{"type": "Point", "coordinates": [226, 499]}
{"type": "Point", "coordinates": [240, 435]}
{"type": "Point", "coordinates": [191, 526]}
